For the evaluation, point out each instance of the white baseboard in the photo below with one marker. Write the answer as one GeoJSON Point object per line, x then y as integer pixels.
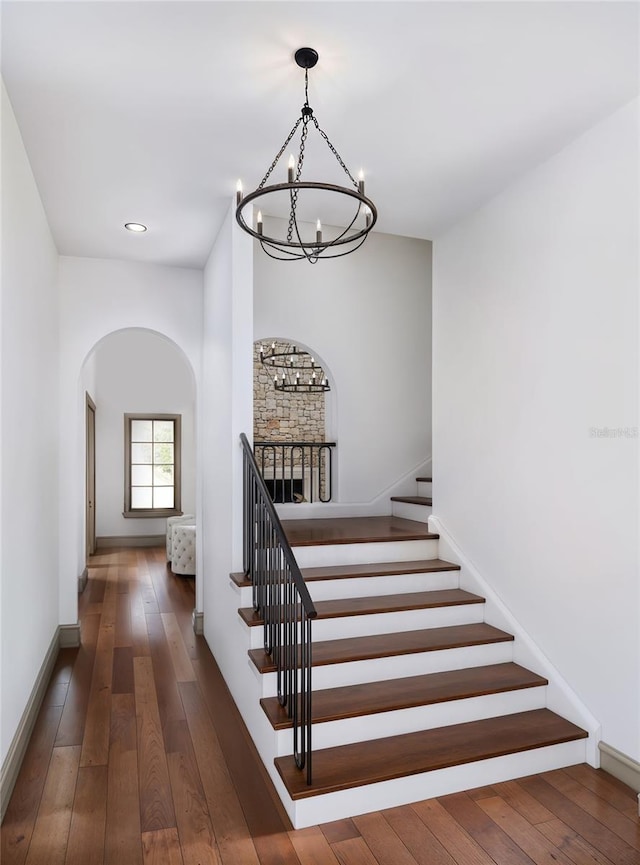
{"type": "Point", "coordinates": [69, 636]}
{"type": "Point", "coordinates": [109, 541]}
{"type": "Point", "coordinates": [622, 767]}
{"type": "Point", "coordinates": [15, 754]}
{"type": "Point", "coordinates": [65, 637]}
{"type": "Point", "coordinates": [82, 581]}
{"type": "Point", "coordinates": [198, 622]}
{"type": "Point", "coordinates": [379, 505]}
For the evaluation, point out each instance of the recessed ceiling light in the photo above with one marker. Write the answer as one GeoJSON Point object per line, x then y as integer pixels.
{"type": "Point", "coordinates": [135, 226]}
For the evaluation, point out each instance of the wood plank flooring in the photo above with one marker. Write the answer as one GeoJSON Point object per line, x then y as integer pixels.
{"type": "Point", "coordinates": [139, 757]}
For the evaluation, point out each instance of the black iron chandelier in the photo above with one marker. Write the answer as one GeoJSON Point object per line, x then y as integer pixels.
{"type": "Point", "coordinates": [298, 243]}
{"type": "Point", "coordinates": [295, 369]}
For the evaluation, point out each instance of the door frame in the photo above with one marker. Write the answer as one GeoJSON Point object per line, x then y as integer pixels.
{"type": "Point", "coordinates": [90, 475]}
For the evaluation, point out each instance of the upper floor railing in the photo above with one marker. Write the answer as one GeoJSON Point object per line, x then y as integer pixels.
{"type": "Point", "coordinates": [296, 471]}
{"type": "Point", "coordinates": [282, 599]}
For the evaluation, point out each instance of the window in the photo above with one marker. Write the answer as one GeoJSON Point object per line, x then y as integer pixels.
{"type": "Point", "coordinates": [151, 465]}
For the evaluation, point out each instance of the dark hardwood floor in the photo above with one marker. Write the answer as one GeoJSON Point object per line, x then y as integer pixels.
{"type": "Point", "coordinates": [139, 757]}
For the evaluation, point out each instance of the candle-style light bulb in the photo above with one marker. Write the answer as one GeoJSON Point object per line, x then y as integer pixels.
{"type": "Point", "coordinates": [318, 232]}
{"type": "Point", "coordinates": [259, 222]}
{"type": "Point", "coordinates": [290, 168]}
{"type": "Point", "coordinates": [273, 346]}
{"type": "Point", "coordinates": [238, 192]}
{"type": "Point", "coordinates": [361, 182]}
{"type": "Point", "coordinates": [313, 362]}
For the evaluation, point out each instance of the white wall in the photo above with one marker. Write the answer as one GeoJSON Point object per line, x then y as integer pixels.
{"type": "Point", "coordinates": [368, 318]}
{"type": "Point", "coordinates": [227, 377]}
{"type": "Point", "coordinates": [228, 381]}
{"type": "Point", "coordinates": [98, 297]}
{"type": "Point", "coordinates": [29, 429]}
{"type": "Point", "coordinates": [138, 371]}
{"type": "Point", "coordinates": [88, 375]}
{"type": "Point", "coordinates": [536, 345]}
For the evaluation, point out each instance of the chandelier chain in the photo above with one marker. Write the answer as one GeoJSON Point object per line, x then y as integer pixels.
{"type": "Point", "coordinates": [294, 192]}
{"type": "Point", "coordinates": [280, 152]}
{"type": "Point", "coordinates": [335, 152]}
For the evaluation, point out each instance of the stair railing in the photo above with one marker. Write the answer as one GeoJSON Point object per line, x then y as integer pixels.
{"type": "Point", "coordinates": [305, 465]}
{"type": "Point", "coordinates": [281, 597]}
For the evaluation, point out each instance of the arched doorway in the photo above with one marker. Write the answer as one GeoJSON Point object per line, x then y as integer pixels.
{"type": "Point", "coordinates": [139, 372]}
{"type": "Point", "coordinates": [291, 421]}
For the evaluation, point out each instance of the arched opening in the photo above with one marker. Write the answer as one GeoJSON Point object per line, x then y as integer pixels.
{"type": "Point", "coordinates": [293, 420]}
{"type": "Point", "coordinates": [139, 372]}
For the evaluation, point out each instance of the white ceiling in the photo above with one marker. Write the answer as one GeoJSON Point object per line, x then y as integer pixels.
{"type": "Point", "coordinates": [150, 111]}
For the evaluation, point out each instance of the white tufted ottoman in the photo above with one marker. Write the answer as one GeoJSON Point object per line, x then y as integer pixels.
{"type": "Point", "coordinates": [185, 519]}
{"type": "Point", "coordinates": [183, 550]}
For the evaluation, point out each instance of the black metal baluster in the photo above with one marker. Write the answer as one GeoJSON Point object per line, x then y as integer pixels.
{"type": "Point", "coordinates": [281, 596]}
{"type": "Point", "coordinates": [316, 458]}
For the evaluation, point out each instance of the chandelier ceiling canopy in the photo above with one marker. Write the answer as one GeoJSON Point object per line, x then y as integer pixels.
{"type": "Point", "coordinates": [301, 240]}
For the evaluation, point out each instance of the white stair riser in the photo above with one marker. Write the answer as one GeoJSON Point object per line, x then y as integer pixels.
{"type": "Point", "coordinates": [425, 489]}
{"type": "Point", "coordinates": [364, 587]}
{"type": "Point", "coordinates": [387, 623]}
{"type": "Point", "coordinates": [368, 727]}
{"type": "Point", "coordinates": [409, 511]}
{"type": "Point", "coordinates": [245, 597]}
{"type": "Point", "coordinates": [428, 785]}
{"type": "Point", "coordinates": [398, 666]}
{"type": "Point", "coordinates": [356, 554]}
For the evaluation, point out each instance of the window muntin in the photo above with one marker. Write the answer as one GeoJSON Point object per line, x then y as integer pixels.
{"type": "Point", "coordinates": [152, 465]}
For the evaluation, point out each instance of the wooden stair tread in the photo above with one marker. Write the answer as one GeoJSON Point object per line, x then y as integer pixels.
{"type": "Point", "coordinates": [371, 569]}
{"type": "Point", "coordinates": [354, 530]}
{"type": "Point", "coordinates": [424, 480]}
{"type": "Point", "coordinates": [413, 500]}
{"type": "Point", "coordinates": [389, 645]}
{"type": "Point", "coordinates": [377, 569]}
{"type": "Point", "coordinates": [372, 697]}
{"type": "Point", "coordinates": [240, 580]}
{"type": "Point", "coordinates": [346, 766]}
{"type": "Point", "coordinates": [340, 607]}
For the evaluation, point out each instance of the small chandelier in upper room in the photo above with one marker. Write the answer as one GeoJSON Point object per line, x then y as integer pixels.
{"type": "Point", "coordinates": [302, 240]}
{"type": "Point", "coordinates": [296, 371]}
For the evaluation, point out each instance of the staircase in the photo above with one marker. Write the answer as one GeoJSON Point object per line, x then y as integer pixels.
{"type": "Point", "coordinates": [415, 695]}
{"type": "Point", "coordinates": [416, 507]}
